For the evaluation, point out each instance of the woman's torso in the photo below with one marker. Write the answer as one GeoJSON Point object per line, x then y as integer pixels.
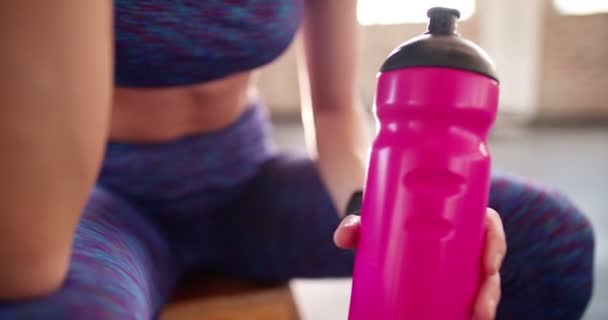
{"type": "Point", "coordinates": [184, 67]}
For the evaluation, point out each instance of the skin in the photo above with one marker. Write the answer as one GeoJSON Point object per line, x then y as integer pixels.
{"type": "Point", "coordinates": [54, 110]}
{"type": "Point", "coordinates": [55, 119]}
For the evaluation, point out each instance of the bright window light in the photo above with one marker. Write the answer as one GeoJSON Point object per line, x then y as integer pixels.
{"type": "Point", "coordinates": [581, 7]}
{"type": "Point", "coordinates": [372, 12]}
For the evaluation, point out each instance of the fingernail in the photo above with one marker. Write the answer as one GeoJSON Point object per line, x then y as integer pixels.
{"type": "Point", "coordinates": [350, 221]}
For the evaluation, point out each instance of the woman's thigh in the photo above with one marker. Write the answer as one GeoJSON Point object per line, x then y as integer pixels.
{"type": "Point", "coordinates": [281, 226]}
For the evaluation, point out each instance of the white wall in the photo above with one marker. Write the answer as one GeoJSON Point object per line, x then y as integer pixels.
{"type": "Point", "coordinates": [511, 32]}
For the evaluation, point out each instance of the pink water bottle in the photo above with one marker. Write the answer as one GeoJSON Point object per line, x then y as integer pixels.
{"type": "Point", "coordinates": [422, 217]}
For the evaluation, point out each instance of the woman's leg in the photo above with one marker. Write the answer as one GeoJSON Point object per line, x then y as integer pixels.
{"type": "Point", "coordinates": [121, 268]}
{"type": "Point", "coordinates": [548, 270]}
{"type": "Point", "coordinates": [283, 224]}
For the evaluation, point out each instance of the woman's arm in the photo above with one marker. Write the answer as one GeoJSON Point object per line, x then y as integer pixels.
{"type": "Point", "coordinates": [334, 121]}
{"type": "Point", "coordinates": [55, 89]}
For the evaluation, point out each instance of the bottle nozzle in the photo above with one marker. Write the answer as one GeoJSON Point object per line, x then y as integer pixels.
{"type": "Point", "coordinates": [441, 46]}
{"type": "Point", "coordinates": [442, 20]}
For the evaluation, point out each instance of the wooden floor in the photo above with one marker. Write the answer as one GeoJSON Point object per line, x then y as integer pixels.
{"type": "Point", "coordinates": [212, 298]}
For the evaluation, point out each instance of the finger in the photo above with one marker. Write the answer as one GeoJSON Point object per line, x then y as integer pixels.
{"type": "Point", "coordinates": [496, 244]}
{"type": "Point", "coordinates": [347, 233]}
{"type": "Point", "coordinates": [487, 298]}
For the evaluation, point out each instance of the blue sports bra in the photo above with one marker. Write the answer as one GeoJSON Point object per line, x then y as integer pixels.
{"type": "Point", "coordinates": [181, 42]}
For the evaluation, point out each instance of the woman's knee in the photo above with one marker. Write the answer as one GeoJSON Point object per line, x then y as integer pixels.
{"type": "Point", "coordinates": [548, 270]}
{"type": "Point", "coordinates": [572, 249]}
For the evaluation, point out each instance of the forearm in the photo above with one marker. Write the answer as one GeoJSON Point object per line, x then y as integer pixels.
{"type": "Point", "coordinates": [336, 128]}
{"type": "Point", "coordinates": [341, 143]}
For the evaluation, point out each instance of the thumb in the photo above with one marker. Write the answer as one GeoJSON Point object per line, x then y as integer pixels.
{"type": "Point", "coordinates": [347, 233]}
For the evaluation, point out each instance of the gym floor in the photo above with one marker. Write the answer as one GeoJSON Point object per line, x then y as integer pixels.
{"type": "Point", "coordinates": [574, 159]}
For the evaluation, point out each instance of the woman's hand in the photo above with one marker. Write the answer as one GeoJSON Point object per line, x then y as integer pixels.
{"type": "Point", "coordinates": [347, 234]}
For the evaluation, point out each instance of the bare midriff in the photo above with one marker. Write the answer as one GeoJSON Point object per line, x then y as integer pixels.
{"type": "Point", "coordinates": [155, 115]}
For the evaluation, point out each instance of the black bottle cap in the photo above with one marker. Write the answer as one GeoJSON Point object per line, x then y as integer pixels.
{"type": "Point", "coordinates": [441, 46]}
{"type": "Point", "coordinates": [442, 20]}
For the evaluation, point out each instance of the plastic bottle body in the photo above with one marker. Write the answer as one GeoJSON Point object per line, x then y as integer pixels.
{"type": "Point", "coordinates": [423, 213]}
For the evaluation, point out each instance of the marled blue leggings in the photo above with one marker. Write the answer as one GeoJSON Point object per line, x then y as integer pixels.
{"type": "Point", "coordinates": [228, 202]}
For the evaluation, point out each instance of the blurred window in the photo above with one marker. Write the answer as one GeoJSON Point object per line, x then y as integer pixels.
{"type": "Point", "coordinates": [374, 12]}
{"type": "Point", "coordinates": [580, 7]}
